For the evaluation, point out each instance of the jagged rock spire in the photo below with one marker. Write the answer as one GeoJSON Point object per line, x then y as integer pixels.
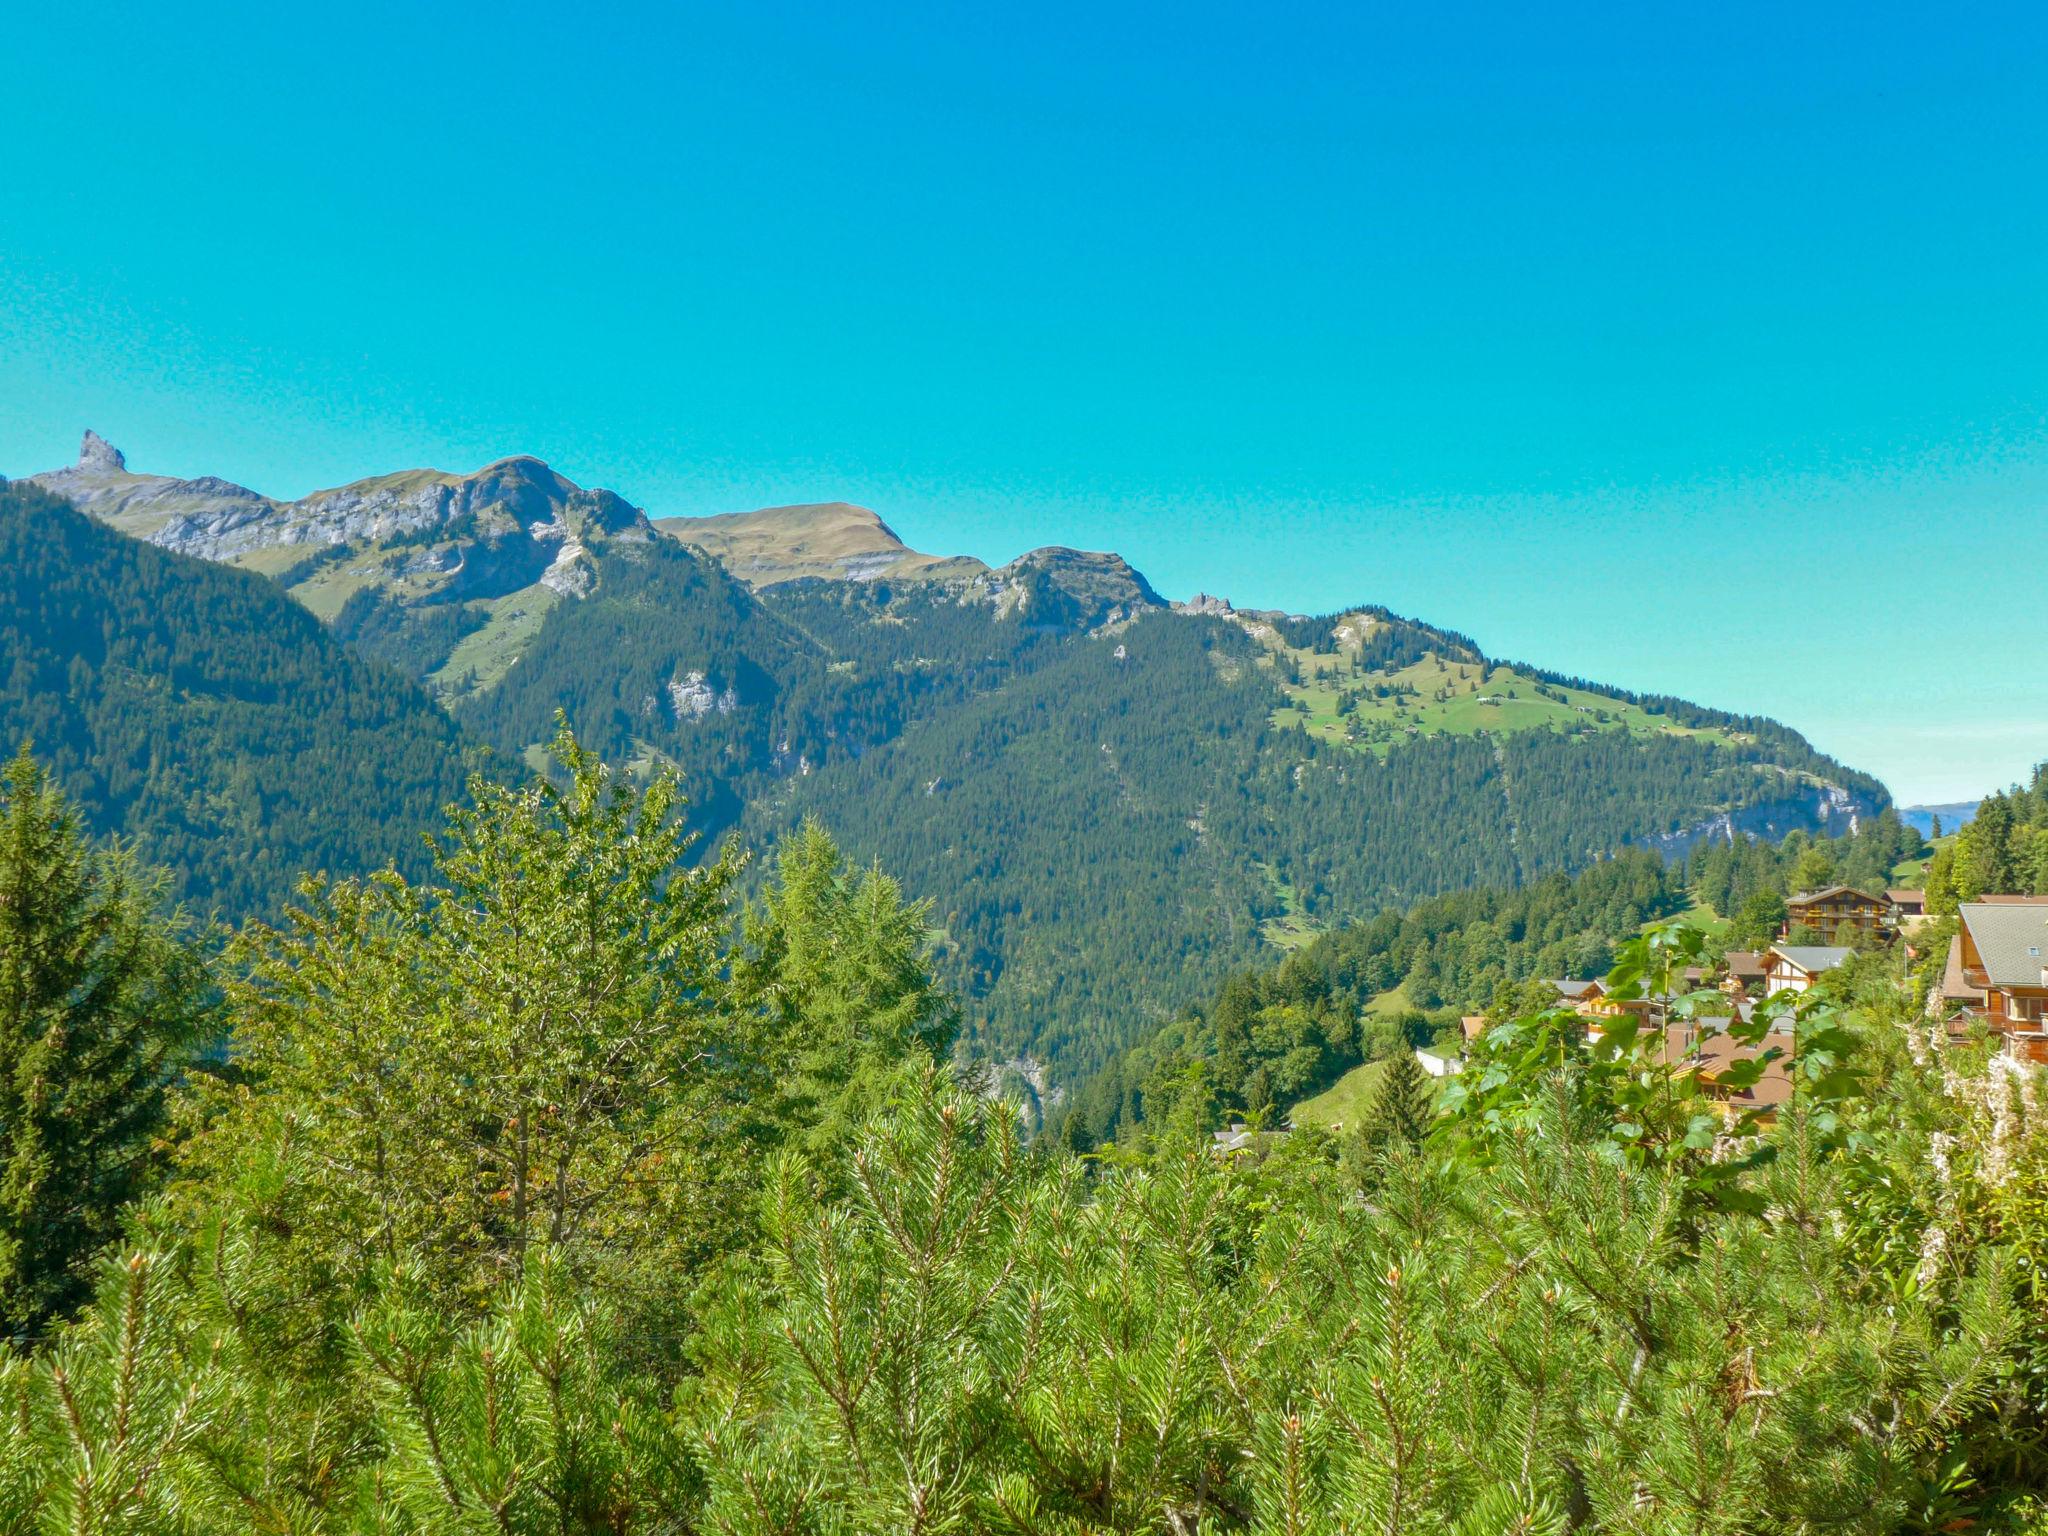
{"type": "Point", "coordinates": [97, 453]}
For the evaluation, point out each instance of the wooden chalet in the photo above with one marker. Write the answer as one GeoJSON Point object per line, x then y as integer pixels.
{"type": "Point", "coordinates": [1841, 914]}
{"type": "Point", "coordinates": [1590, 999]}
{"type": "Point", "coordinates": [1796, 967]}
{"type": "Point", "coordinates": [1706, 1049]}
{"type": "Point", "coordinates": [1747, 973]}
{"type": "Point", "coordinates": [1998, 971]}
{"type": "Point", "coordinates": [1907, 904]}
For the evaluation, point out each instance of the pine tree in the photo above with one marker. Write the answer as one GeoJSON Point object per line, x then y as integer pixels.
{"type": "Point", "coordinates": [837, 964]}
{"type": "Point", "coordinates": [1401, 1108]}
{"type": "Point", "coordinates": [99, 1001]}
{"type": "Point", "coordinates": [530, 1052]}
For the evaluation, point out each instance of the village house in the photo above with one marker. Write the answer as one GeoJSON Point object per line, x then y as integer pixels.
{"type": "Point", "coordinates": [1238, 1138]}
{"type": "Point", "coordinates": [1998, 971]}
{"type": "Point", "coordinates": [1839, 914]}
{"type": "Point", "coordinates": [1590, 999]}
{"type": "Point", "coordinates": [1705, 1048]}
{"type": "Point", "coordinates": [1746, 973]}
{"type": "Point", "coordinates": [1907, 904]}
{"type": "Point", "coordinates": [1796, 967]}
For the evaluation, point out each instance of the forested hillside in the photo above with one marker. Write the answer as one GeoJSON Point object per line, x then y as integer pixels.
{"type": "Point", "coordinates": [1270, 1037]}
{"type": "Point", "coordinates": [201, 712]}
{"type": "Point", "coordinates": [548, 1192]}
{"type": "Point", "coordinates": [1111, 800]}
{"type": "Point", "coordinates": [1123, 819]}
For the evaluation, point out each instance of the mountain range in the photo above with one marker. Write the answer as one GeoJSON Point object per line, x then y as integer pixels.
{"type": "Point", "coordinates": [1111, 799]}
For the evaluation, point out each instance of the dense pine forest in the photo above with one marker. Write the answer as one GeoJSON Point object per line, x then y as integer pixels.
{"type": "Point", "coordinates": [201, 712]}
{"type": "Point", "coordinates": [564, 1187]}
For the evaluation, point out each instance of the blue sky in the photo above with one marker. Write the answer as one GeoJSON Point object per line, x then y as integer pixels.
{"type": "Point", "coordinates": [1698, 351]}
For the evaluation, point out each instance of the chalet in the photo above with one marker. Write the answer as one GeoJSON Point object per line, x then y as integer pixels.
{"type": "Point", "coordinates": [2001, 950]}
{"type": "Point", "coordinates": [1705, 1048]}
{"type": "Point", "coordinates": [1956, 992]}
{"type": "Point", "coordinates": [1238, 1138]}
{"type": "Point", "coordinates": [1472, 1026]}
{"type": "Point", "coordinates": [1795, 967]}
{"type": "Point", "coordinates": [1746, 972]}
{"type": "Point", "coordinates": [1839, 912]}
{"type": "Point", "coordinates": [1907, 904]}
{"type": "Point", "coordinates": [1574, 993]}
{"type": "Point", "coordinates": [1590, 999]}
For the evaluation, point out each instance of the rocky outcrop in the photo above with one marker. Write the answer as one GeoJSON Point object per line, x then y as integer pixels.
{"type": "Point", "coordinates": [1828, 810]}
{"type": "Point", "coordinates": [98, 456]}
{"type": "Point", "coordinates": [1067, 589]}
{"type": "Point", "coordinates": [692, 697]}
{"type": "Point", "coordinates": [100, 483]}
{"type": "Point", "coordinates": [465, 521]}
{"type": "Point", "coordinates": [826, 540]}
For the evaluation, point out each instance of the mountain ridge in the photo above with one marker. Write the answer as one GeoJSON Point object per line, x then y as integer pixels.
{"type": "Point", "coordinates": [1110, 798]}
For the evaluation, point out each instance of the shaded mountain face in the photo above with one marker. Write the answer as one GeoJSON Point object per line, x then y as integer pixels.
{"type": "Point", "coordinates": [1110, 799]}
{"type": "Point", "coordinates": [201, 712]}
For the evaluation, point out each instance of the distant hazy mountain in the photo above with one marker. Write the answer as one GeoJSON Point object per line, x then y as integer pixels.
{"type": "Point", "coordinates": [1952, 815]}
{"type": "Point", "coordinates": [1110, 798]}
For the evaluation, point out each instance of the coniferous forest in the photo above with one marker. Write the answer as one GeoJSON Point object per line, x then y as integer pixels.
{"type": "Point", "coordinates": [566, 1187]}
{"type": "Point", "coordinates": [1119, 770]}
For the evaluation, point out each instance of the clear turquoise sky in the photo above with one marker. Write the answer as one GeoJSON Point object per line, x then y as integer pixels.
{"type": "Point", "coordinates": [1700, 350]}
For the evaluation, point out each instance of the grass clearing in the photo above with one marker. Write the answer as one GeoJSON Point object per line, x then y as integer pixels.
{"type": "Point", "coordinates": [1345, 1102]}
{"type": "Point", "coordinates": [1342, 701]}
{"type": "Point", "coordinates": [483, 656]}
{"type": "Point", "coordinates": [1293, 927]}
{"type": "Point", "coordinates": [1908, 874]}
{"type": "Point", "coordinates": [1702, 917]}
{"type": "Point", "coordinates": [328, 588]}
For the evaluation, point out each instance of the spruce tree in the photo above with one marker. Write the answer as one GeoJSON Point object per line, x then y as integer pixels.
{"type": "Point", "coordinates": [99, 1001]}
{"type": "Point", "coordinates": [1401, 1108]}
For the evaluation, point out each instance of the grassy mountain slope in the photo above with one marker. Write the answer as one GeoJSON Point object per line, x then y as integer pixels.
{"type": "Point", "coordinates": [202, 712]}
{"type": "Point", "coordinates": [833, 540]}
{"type": "Point", "coordinates": [444, 576]}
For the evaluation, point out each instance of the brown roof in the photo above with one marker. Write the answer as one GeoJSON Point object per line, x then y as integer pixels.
{"type": "Point", "coordinates": [1905, 898]}
{"type": "Point", "coordinates": [1746, 962]}
{"type": "Point", "coordinates": [2012, 901]}
{"type": "Point", "coordinates": [1808, 898]}
{"type": "Point", "coordinates": [1472, 1025]}
{"type": "Point", "coordinates": [1712, 1052]}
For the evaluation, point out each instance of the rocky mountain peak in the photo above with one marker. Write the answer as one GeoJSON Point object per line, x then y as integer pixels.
{"type": "Point", "coordinates": [100, 456]}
